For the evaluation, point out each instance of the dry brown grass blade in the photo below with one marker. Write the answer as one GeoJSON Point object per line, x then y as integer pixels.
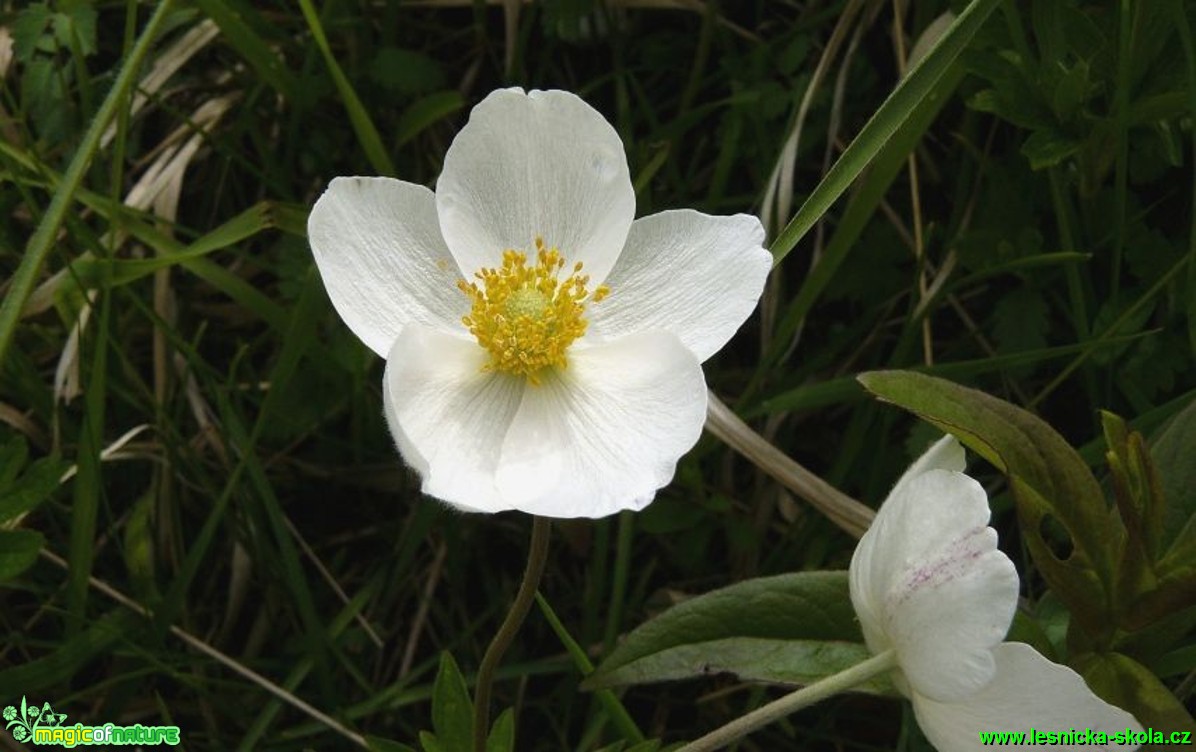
{"type": "Point", "coordinates": [165, 66]}
{"type": "Point", "coordinates": [850, 515]}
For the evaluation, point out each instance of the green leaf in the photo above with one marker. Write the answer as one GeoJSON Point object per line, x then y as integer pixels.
{"type": "Point", "coordinates": [1173, 450]}
{"type": "Point", "coordinates": [502, 733]}
{"type": "Point", "coordinates": [110, 272]}
{"type": "Point", "coordinates": [792, 628]}
{"type": "Point", "coordinates": [28, 28]}
{"type": "Point", "coordinates": [32, 488]}
{"type": "Point", "coordinates": [1047, 148]}
{"type": "Point", "coordinates": [426, 112]}
{"type": "Point", "coordinates": [13, 456]}
{"type": "Point", "coordinates": [1053, 488]}
{"type": "Point", "coordinates": [375, 744]}
{"type": "Point", "coordinates": [1137, 491]}
{"type": "Point", "coordinates": [69, 657]}
{"type": "Point", "coordinates": [429, 743]}
{"type": "Point", "coordinates": [18, 551]}
{"type": "Point", "coordinates": [1131, 686]}
{"type": "Point", "coordinates": [452, 709]}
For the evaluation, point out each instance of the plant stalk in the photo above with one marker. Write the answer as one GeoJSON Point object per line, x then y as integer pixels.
{"type": "Point", "coordinates": [536, 558]}
{"type": "Point", "coordinates": [808, 695]}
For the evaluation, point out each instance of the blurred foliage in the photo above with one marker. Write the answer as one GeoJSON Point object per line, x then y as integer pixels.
{"type": "Point", "coordinates": [1043, 249]}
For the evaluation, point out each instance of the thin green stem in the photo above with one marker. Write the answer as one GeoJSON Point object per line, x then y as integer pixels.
{"type": "Point", "coordinates": [43, 237]}
{"type": "Point", "coordinates": [536, 558]}
{"type": "Point", "coordinates": [806, 696]}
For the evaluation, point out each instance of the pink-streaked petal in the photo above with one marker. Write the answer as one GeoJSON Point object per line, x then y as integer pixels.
{"type": "Point", "coordinates": [695, 275]}
{"type": "Point", "coordinates": [378, 247]}
{"type": "Point", "coordinates": [928, 580]}
{"type": "Point", "coordinates": [541, 164]}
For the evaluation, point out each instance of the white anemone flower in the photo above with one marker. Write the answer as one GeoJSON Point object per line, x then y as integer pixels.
{"type": "Point", "coordinates": [928, 582]}
{"type": "Point", "coordinates": [542, 349]}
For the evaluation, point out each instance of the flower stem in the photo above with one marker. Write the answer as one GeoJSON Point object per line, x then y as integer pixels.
{"type": "Point", "coordinates": [808, 695]}
{"type": "Point", "coordinates": [536, 557]}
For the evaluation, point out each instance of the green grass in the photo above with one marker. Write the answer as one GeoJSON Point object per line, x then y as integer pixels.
{"type": "Point", "coordinates": [1042, 249]}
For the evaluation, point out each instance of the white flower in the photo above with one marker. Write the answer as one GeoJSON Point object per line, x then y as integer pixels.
{"type": "Point", "coordinates": [542, 349]}
{"type": "Point", "coordinates": [928, 582]}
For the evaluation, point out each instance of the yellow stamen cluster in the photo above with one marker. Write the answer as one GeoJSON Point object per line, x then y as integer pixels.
{"type": "Point", "coordinates": [525, 316]}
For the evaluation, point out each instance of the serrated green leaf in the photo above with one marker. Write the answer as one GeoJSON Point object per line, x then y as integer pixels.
{"type": "Point", "coordinates": [502, 733]}
{"type": "Point", "coordinates": [1051, 484]}
{"type": "Point", "coordinates": [1131, 686]}
{"type": "Point", "coordinates": [375, 744]}
{"type": "Point", "coordinates": [791, 628]}
{"type": "Point", "coordinates": [452, 708]}
{"type": "Point", "coordinates": [28, 28]}
{"type": "Point", "coordinates": [18, 551]}
{"type": "Point", "coordinates": [76, 18]}
{"type": "Point", "coordinates": [31, 488]}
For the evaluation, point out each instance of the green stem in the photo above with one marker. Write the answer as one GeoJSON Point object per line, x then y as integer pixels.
{"type": "Point", "coordinates": [778, 709]}
{"type": "Point", "coordinates": [43, 237]}
{"type": "Point", "coordinates": [536, 557]}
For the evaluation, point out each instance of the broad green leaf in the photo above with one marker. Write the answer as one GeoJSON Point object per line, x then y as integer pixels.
{"type": "Point", "coordinates": [1173, 450]}
{"type": "Point", "coordinates": [375, 744]}
{"type": "Point", "coordinates": [452, 708]}
{"type": "Point", "coordinates": [502, 733]}
{"type": "Point", "coordinates": [1131, 686]}
{"type": "Point", "coordinates": [18, 551]}
{"type": "Point", "coordinates": [1051, 484]}
{"type": "Point", "coordinates": [791, 628]}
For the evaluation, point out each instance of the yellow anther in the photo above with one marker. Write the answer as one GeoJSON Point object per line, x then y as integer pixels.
{"type": "Point", "coordinates": [526, 317]}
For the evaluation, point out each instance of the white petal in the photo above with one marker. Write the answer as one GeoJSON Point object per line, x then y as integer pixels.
{"type": "Point", "coordinates": [448, 416]}
{"type": "Point", "coordinates": [1027, 692]}
{"type": "Point", "coordinates": [927, 579]}
{"type": "Point", "coordinates": [538, 164]}
{"type": "Point", "coordinates": [944, 454]}
{"type": "Point", "coordinates": [384, 263]}
{"type": "Point", "coordinates": [606, 432]}
{"type": "Point", "coordinates": [691, 274]}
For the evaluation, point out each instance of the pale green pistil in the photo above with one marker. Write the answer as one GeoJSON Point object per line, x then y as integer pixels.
{"type": "Point", "coordinates": [526, 301]}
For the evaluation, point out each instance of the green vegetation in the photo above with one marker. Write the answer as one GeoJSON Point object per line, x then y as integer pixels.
{"type": "Point", "coordinates": [203, 519]}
